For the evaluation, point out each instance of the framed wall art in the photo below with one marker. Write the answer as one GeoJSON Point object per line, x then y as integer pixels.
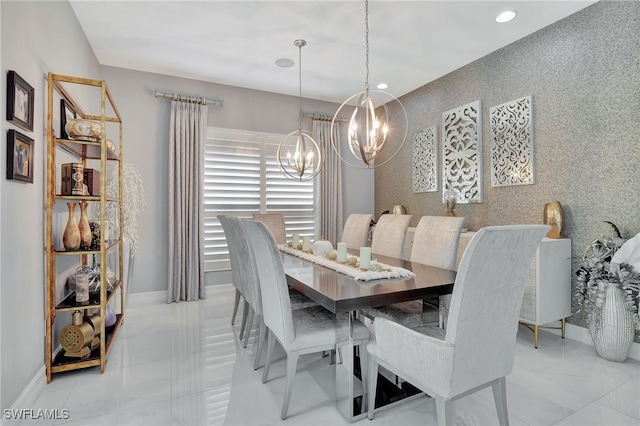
{"type": "Point", "coordinates": [512, 145]}
{"type": "Point", "coordinates": [19, 157]}
{"type": "Point", "coordinates": [425, 160]}
{"type": "Point", "coordinates": [462, 153]}
{"type": "Point", "coordinates": [20, 98]}
{"type": "Point", "coordinates": [66, 113]}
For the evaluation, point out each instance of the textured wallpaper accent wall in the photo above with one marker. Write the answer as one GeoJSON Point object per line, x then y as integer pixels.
{"type": "Point", "coordinates": [584, 76]}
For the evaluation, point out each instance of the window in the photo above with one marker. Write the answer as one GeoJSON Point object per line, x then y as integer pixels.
{"type": "Point", "coordinates": [241, 177]}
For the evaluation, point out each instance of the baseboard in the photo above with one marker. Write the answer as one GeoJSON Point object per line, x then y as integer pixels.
{"type": "Point", "coordinates": [581, 334]}
{"type": "Point", "coordinates": [29, 394]}
{"type": "Point", "coordinates": [147, 297]}
{"type": "Point", "coordinates": [161, 296]}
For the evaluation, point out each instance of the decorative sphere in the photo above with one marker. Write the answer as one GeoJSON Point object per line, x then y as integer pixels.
{"type": "Point", "coordinates": [321, 247]}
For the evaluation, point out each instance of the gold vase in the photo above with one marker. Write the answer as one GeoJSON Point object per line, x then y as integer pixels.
{"type": "Point", "coordinates": [554, 216]}
{"type": "Point", "coordinates": [83, 226]}
{"type": "Point", "coordinates": [71, 236]}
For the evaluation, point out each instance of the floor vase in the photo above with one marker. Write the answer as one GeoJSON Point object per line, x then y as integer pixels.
{"type": "Point", "coordinates": [612, 325]}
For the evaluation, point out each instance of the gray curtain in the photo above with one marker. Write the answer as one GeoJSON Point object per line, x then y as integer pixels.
{"type": "Point", "coordinates": [187, 129]}
{"type": "Point", "coordinates": [329, 213]}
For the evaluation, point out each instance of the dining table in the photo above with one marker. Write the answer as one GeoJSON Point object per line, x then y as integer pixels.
{"type": "Point", "coordinates": [345, 295]}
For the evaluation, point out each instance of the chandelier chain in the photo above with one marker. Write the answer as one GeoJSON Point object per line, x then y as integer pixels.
{"type": "Point", "coordinates": [300, 85]}
{"type": "Point", "coordinates": [366, 25]}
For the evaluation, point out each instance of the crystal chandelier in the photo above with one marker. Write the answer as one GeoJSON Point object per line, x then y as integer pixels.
{"type": "Point", "coordinates": [306, 161]}
{"type": "Point", "coordinates": [369, 125]}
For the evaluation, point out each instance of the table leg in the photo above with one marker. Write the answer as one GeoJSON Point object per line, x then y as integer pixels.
{"type": "Point", "coordinates": [350, 395]}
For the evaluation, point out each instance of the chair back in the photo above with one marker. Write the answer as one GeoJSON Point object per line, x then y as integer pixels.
{"type": "Point", "coordinates": [389, 234]}
{"type": "Point", "coordinates": [486, 300]}
{"type": "Point", "coordinates": [274, 223]}
{"type": "Point", "coordinates": [233, 253]}
{"type": "Point", "coordinates": [356, 230]}
{"type": "Point", "coordinates": [276, 304]}
{"type": "Point", "coordinates": [246, 271]}
{"type": "Point", "coordinates": [435, 241]}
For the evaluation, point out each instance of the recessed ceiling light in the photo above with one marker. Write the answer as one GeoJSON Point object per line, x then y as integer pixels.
{"type": "Point", "coordinates": [382, 86]}
{"type": "Point", "coordinates": [284, 63]}
{"type": "Point", "coordinates": [505, 16]}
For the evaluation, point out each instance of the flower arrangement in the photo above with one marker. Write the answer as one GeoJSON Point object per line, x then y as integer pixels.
{"type": "Point", "coordinates": [597, 272]}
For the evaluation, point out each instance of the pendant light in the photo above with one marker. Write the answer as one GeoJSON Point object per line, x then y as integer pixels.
{"type": "Point", "coordinates": [370, 129]}
{"type": "Point", "coordinates": [306, 160]}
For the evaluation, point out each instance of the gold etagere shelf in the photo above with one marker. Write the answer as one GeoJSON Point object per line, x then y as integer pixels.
{"type": "Point", "coordinates": [94, 355]}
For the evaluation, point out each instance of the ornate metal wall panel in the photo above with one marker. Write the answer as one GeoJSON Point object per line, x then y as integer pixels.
{"type": "Point", "coordinates": [462, 153]}
{"type": "Point", "coordinates": [425, 160]}
{"type": "Point", "coordinates": [512, 147]}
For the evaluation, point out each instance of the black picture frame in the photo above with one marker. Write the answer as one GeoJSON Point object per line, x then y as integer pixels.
{"type": "Point", "coordinates": [66, 113]}
{"type": "Point", "coordinates": [19, 156]}
{"type": "Point", "coordinates": [20, 98]}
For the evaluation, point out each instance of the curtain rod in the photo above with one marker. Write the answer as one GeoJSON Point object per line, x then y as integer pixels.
{"type": "Point", "coordinates": [322, 117]}
{"type": "Point", "coordinates": [195, 99]}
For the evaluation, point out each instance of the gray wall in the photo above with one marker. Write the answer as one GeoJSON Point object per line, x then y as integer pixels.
{"type": "Point", "coordinates": [146, 135]}
{"type": "Point", "coordinates": [50, 40]}
{"type": "Point", "coordinates": [584, 75]}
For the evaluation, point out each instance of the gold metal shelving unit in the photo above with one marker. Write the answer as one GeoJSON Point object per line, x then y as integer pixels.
{"type": "Point", "coordinates": [58, 307]}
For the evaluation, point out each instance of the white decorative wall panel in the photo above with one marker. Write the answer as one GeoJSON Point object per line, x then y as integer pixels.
{"type": "Point", "coordinates": [462, 153]}
{"type": "Point", "coordinates": [512, 145]}
{"type": "Point", "coordinates": [425, 160]}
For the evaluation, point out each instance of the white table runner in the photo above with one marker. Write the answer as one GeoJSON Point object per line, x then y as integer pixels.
{"type": "Point", "coordinates": [351, 270]}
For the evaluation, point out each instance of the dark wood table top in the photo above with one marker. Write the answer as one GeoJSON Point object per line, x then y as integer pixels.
{"type": "Point", "coordinates": [338, 292]}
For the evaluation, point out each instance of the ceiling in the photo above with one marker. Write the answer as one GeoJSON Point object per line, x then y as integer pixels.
{"type": "Point", "coordinates": [237, 42]}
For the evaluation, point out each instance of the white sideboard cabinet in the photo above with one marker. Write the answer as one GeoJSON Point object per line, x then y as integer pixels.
{"type": "Point", "coordinates": [547, 296]}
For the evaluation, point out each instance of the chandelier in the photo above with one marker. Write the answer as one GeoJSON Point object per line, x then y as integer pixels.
{"type": "Point", "coordinates": [369, 126]}
{"type": "Point", "coordinates": [306, 160]}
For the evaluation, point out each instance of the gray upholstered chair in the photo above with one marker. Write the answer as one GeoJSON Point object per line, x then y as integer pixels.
{"type": "Point", "coordinates": [236, 279]}
{"type": "Point", "coordinates": [247, 275]}
{"type": "Point", "coordinates": [301, 331]}
{"type": "Point", "coordinates": [274, 223]}
{"type": "Point", "coordinates": [356, 231]}
{"type": "Point", "coordinates": [477, 349]}
{"type": "Point", "coordinates": [389, 234]}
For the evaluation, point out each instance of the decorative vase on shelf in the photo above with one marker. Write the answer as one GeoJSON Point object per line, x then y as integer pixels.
{"type": "Point", "coordinates": [611, 324]}
{"type": "Point", "coordinates": [71, 236]}
{"type": "Point", "coordinates": [84, 228]}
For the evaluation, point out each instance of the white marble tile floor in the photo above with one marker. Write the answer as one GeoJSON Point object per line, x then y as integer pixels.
{"type": "Point", "coordinates": [182, 364]}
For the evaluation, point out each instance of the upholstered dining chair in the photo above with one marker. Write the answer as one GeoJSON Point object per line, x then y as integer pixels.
{"type": "Point", "coordinates": [274, 223]}
{"type": "Point", "coordinates": [244, 272]}
{"type": "Point", "coordinates": [356, 230]}
{"type": "Point", "coordinates": [389, 234]}
{"type": "Point", "coordinates": [435, 243]}
{"type": "Point", "coordinates": [248, 274]}
{"type": "Point", "coordinates": [300, 331]}
{"type": "Point", "coordinates": [477, 348]}
{"type": "Point", "coordinates": [236, 279]}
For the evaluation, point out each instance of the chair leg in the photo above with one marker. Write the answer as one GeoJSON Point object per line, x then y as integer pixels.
{"type": "Point", "coordinates": [249, 326]}
{"type": "Point", "coordinates": [373, 383]}
{"type": "Point", "coordinates": [364, 372]}
{"type": "Point", "coordinates": [500, 397]}
{"type": "Point", "coordinates": [235, 306]}
{"type": "Point", "coordinates": [445, 412]}
{"type": "Point", "coordinates": [270, 347]}
{"type": "Point", "coordinates": [292, 363]}
{"type": "Point", "coordinates": [245, 310]}
{"type": "Point", "coordinates": [262, 335]}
